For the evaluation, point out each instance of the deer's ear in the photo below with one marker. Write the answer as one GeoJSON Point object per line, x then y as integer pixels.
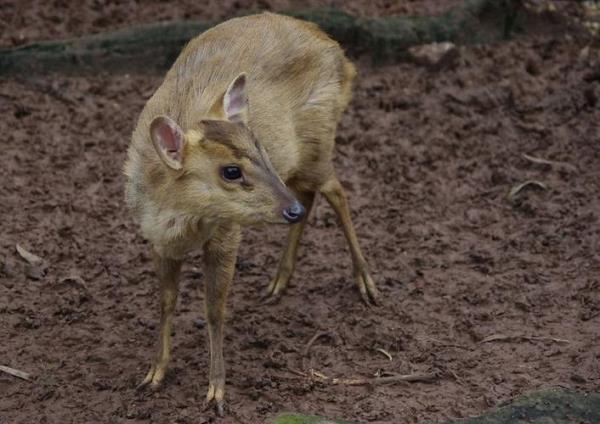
{"type": "Point", "coordinates": [235, 100]}
{"type": "Point", "coordinates": [169, 141]}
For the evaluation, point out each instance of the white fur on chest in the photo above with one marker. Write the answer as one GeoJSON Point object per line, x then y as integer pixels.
{"type": "Point", "coordinates": [172, 233]}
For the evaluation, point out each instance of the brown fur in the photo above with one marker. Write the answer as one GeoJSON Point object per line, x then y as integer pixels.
{"type": "Point", "coordinates": [298, 84]}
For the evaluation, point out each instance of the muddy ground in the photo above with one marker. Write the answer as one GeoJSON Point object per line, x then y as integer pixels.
{"type": "Point", "coordinates": [427, 158]}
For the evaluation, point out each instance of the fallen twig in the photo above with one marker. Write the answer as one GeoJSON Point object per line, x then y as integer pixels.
{"type": "Point", "coordinates": [297, 372]}
{"type": "Point", "coordinates": [517, 189]}
{"type": "Point", "coordinates": [15, 373]}
{"type": "Point", "coordinates": [409, 378]}
{"type": "Point", "coordinates": [550, 339]}
{"type": "Point", "coordinates": [313, 339]}
{"type": "Point", "coordinates": [541, 161]}
{"type": "Point", "coordinates": [518, 337]}
{"type": "Point", "coordinates": [384, 352]}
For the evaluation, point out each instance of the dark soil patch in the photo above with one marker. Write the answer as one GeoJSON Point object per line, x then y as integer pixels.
{"type": "Point", "coordinates": [427, 159]}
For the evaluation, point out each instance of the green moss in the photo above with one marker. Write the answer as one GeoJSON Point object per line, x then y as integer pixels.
{"type": "Point", "coordinates": [293, 418]}
{"type": "Point", "coordinates": [556, 406]}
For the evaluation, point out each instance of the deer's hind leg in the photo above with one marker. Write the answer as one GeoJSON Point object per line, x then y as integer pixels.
{"type": "Point", "coordinates": [335, 195]}
{"type": "Point", "coordinates": [287, 263]}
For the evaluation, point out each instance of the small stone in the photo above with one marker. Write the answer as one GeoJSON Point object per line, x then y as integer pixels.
{"type": "Point", "coordinates": [584, 54]}
{"type": "Point", "coordinates": [34, 271]}
{"type": "Point", "coordinates": [199, 323]}
{"type": "Point", "coordinates": [533, 67]}
{"type": "Point", "coordinates": [436, 55]}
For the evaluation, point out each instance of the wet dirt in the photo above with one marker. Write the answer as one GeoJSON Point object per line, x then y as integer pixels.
{"type": "Point", "coordinates": [498, 297]}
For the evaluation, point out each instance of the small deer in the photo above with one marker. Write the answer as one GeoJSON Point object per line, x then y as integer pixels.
{"type": "Point", "coordinates": [241, 132]}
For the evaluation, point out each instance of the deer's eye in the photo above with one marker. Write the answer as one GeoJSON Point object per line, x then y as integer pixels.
{"type": "Point", "coordinates": [231, 172]}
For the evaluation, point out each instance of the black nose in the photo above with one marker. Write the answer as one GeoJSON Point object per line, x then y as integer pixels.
{"type": "Point", "coordinates": [294, 213]}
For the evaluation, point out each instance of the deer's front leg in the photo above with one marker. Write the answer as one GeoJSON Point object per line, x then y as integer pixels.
{"type": "Point", "coordinates": [167, 271]}
{"type": "Point", "coordinates": [219, 255]}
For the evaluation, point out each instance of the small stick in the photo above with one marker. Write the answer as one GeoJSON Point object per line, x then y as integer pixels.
{"type": "Point", "coordinates": [507, 338]}
{"type": "Point", "coordinates": [410, 378]}
{"type": "Point", "coordinates": [15, 373]}
{"type": "Point", "coordinates": [297, 372]}
{"type": "Point", "coordinates": [384, 352]}
{"type": "Point", "coordinates": [541, 161]}
{"type": "Point", "coordinates": [550, 339]}
{"type": "Point", "coordinates": [313, 339]}
{"type": "Point", "coordinates": [517, 189]}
